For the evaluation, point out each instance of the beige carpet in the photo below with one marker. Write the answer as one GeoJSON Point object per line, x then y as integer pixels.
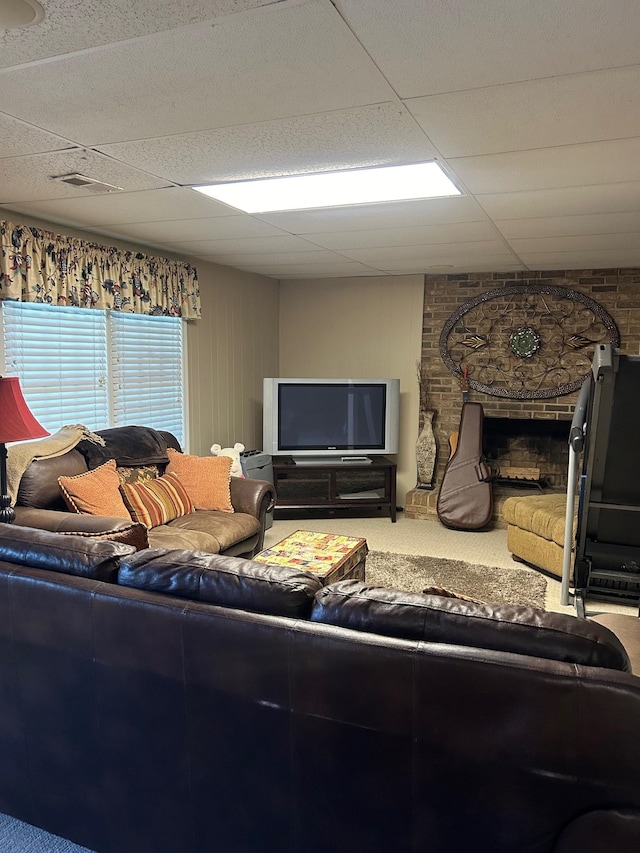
{"type": "Point", "coordinates": [492, 585]}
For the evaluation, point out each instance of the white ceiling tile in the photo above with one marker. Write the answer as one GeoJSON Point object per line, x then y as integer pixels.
{"type": "Point", "coordinates": [430, 46]}
{"type": "Point", "coordinates": [30, 178]}
{"type": "Point", "coordinates": [341, 271]}
{"type": "Point", "coordinates": [557, 226]}
{"type": "Point", "coordinates": [18, 138]}
{"type": "Point", "coordinates": [72, 26]}
{"type": "Point", "coordinates": [479, 265]}
{"type": "Point", "coordinates": [255, 246]}
{"type": "Point", "coordinates": [398, 214]}
{"type": "Point", "coordinates": [281, 259]}
{"type": "Point", "coordinates": [297, 61]}
{"type": "Point", "coordinates": [340, 139]}
{"type": "Point", "coordinates": [426, 234]}
{"type": "Point", "coordinates": [214, 228]}
{"type": "Point", "coordinates": [563, 201]}
{"type": "Point", "coordinates": [167, 203]}
{"type": "Point", "coordinates": [588, 243]}
{"type": "Point", "coordinates": [544, 168]}
{"type": "Point", "coordinates": [439, 254]}
{"type": "Point", "coordinates": [597, 259]}
{"type": "Point", "coordinates": [535, 114]}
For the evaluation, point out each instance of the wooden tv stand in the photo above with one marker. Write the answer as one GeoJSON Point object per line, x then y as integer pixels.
{"type": "Point", "coordinates": [335, 485]}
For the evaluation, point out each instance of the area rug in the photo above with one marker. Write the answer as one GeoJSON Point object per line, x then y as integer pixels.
{"type": "Point", "coordinates": [519, 585]}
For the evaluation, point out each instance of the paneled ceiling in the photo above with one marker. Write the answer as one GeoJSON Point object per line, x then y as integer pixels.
{"type": "Point", "coordinates": [533, 108]}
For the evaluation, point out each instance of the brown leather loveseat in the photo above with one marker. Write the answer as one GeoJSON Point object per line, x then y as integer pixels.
{"type": "Point", "coordinates": [239, 533]}
{"type": "Point", "coordinates": [179, 702]}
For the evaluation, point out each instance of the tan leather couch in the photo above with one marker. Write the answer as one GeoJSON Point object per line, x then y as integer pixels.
{"type": "Point", "coordinates": [241, 533]}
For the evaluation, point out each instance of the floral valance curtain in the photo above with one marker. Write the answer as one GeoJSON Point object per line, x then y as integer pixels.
{"type": "Point", "coordinates": [40, 266]}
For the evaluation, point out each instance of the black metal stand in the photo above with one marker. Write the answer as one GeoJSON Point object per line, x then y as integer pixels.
{"type": "Point", "coordinates": [7, 513]}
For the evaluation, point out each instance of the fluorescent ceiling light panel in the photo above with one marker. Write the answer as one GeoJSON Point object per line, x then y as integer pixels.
{"type": "Point", "coordinates": [335, 189]}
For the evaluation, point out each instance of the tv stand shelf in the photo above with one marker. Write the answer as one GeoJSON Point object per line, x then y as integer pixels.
{"type": "Point", "coordinates": [335, 485]}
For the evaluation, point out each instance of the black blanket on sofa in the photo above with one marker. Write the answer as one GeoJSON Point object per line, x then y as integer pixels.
{"type": "Point", "coordinates": [130, 446]}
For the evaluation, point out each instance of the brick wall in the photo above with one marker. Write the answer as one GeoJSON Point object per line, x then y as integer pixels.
{"type": "Point", "coordinates": [617, 291]}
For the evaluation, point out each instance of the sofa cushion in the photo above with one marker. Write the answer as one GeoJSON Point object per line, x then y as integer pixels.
{"type": "Point", "coordinates": [206, 478]}
{"type": "Point", "coordinates": [95, 492]}
{"type": "Point", "coordinates": [501, 627]}
{"type": "Point", "coordinates": [135, 535]}
{"type": "Point", "coordinates": [226, 581]}
{"type": "Point", "coordinates": [226, 528]}
{"type": "Point", "coordinates": [39, 487]}
{"type": "Point", "coordinates": [156, 501]}
{"type": "Point", "coordinates": [71, 555]}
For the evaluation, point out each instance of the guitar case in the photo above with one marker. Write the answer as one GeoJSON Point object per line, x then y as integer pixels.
{"type": "Point", "coordinates": [465, 501]}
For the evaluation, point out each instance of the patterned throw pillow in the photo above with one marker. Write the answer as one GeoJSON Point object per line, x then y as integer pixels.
{"type": "Point", "coordinates": [156, 501]}
{"type": "Point", "coordinates": [135, 534]}
{"type": "Point", "coordinates": [95, 493]}
{"type": "Point", "coordinates": [436, 589]}
{"type": "Point", "coordinates": [135, 475]}
{"type": "Point", "coordinates": [206, 478]}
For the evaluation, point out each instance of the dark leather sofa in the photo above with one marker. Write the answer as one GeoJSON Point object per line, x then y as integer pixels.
{"type": "Point", "coordinates": [240, 534]}
{"type": "Point", "coordinates": [177, 702]}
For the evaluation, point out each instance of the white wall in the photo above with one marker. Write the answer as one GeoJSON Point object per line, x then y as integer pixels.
{"type": "Point", "coordinates": [358, 327]}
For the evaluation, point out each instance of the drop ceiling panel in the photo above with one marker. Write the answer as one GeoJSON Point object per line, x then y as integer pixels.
{"type": "Point", "coordinates": [340, 139]}
{"type": "Point", "coordinates": [296, 61]}
{"type": "Point", "coordinates": [557, 226]}
{"type": "Point", "coordinates": [588, 243]}
{"type": "Point", "coordinates": [587, 260]}
{"type": "Point", "coordinates": [281, 259]}
{"type": "Point", "coordinates": [433, 211]}
{"type": "Point", "coordinates": [76, 26]}
{"type": "Point", "coordinates": [29, 178]}
{"type": "Point", "coordinates": [256, 246]}
{"type": "Point", "coordinates": [427, 234]}
{"type": "Point", "coordinates": [168, 203]}
{"type": "Point", "coordinates": [497, 264]}
{"type": "Point", "coordinates": [214, 228]}
{"type": "Point", "coordinates": [449, 253]}
{"type": "Point", "coordinates": [433, 46]}
{"type": "Point", "coordinates": [544, 168]}
{"type": "Point", "coordinates": [346, 268]}
{"type": "Point", "coordinates": [18, 138]}
{"type": "Point", "coordinates": [536, 114]}
{"type": "Point", "coordinates": [564, 201]}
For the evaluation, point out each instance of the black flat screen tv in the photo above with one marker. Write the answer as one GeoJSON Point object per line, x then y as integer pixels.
{"type": "Point", "coordinates": [330, 419]}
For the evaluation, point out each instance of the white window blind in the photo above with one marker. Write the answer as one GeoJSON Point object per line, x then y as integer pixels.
{"type": "Point", "coordinates": [95, 367]}
{"type": "Point", "coordinates": [146, 361]}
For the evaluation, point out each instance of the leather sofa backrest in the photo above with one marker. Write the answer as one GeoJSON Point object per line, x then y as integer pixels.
{"type": "Point", "coordinates": [502, 627]}
{"type": "Point", "coordinates": [39, 484]}
{"type": "Point", "coordinates": [225, 581]}
{"type": "Point", "coordinates": [43, 549]}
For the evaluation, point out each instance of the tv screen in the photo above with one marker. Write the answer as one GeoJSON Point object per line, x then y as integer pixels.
{"type": "Point", "coordinates": [330, 417]}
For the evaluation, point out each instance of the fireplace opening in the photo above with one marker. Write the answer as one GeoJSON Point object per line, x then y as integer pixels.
{"type": "Point", "coordinates": [527, 451]}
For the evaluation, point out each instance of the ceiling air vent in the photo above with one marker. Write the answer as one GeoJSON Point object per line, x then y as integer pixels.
{"type": "Point", "coordinates": [91, 184]}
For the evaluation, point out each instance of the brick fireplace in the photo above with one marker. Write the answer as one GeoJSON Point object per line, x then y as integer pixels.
{"type": "Point", "coordinates": [518, 436]}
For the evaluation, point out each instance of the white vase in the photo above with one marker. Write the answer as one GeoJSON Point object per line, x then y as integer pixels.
{"type": "Point", "coordinates": [426, 451]}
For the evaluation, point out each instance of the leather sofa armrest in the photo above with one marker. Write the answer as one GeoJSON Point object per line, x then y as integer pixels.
{"type": "Point", "coordinates": [255, 497]}
{"type": "Point", "coordinates": [58, 521]}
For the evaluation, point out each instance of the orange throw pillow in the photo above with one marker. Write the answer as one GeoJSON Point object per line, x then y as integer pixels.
{"type": "Point", "coordinates": [206, 478]}
{"type": "Point", "coordinates": [157, 501]}
{"type": "Point", "coordinates": [95, 493]}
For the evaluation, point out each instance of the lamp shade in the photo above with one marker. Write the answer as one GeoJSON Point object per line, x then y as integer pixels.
{"type": "Point", "coordinates": [16, 421]}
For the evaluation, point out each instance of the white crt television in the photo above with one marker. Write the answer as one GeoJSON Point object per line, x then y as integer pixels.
{"type": "Point", "coordinates": [330, 419]}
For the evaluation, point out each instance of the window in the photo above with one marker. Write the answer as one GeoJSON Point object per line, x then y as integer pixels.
{"type": "Point", "coordinates": [98, 368]}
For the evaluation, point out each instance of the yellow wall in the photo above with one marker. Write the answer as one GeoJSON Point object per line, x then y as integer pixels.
{"type": "Point", "coordinates": [358, 328]}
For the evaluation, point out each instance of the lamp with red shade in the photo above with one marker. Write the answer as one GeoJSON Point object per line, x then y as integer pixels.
{"type": "Point", "coordinates": [16, 424]}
